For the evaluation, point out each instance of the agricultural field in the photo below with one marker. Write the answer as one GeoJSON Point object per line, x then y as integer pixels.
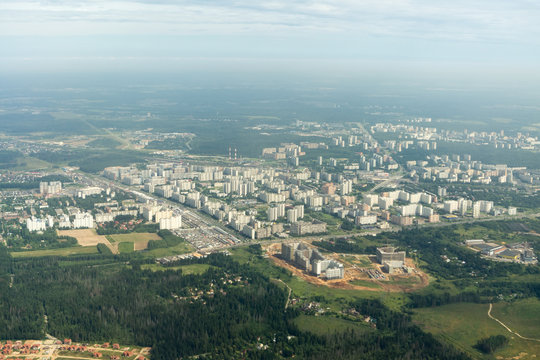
{"type": "Point", "coordinates": [77, 250]}
{"type": "Point", "coordinates": [463, 324]}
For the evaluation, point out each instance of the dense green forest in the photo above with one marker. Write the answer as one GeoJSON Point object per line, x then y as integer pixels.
{"type": "Point", "coordinates": [222, 313]}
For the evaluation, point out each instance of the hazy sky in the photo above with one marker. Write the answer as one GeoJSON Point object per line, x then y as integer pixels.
{"type": "Point", "coordinates": [56, 33]}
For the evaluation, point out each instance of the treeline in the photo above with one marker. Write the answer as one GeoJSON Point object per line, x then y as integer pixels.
{"type": "Point", "coordinates": [168, 239]}
{"type": "Point", "coordinates": [47, 239]}
{"type": "Point", "coordinates": [345, 246]}
{"type": "Point", "coordinates": [436, 299]}
{"type": "Point", "coordinates": [34, 184]}
{"type": "Point", "coordinates": [109, 228]}
{"type": "Point", "coordinates": [492, 343]}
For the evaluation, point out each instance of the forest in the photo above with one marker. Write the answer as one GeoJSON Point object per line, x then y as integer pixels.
{"type": "Point", "coordinates": [222, 313]}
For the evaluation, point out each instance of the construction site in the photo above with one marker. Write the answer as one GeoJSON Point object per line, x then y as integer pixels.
{"type": "Point", "coordinates": [361, 272]}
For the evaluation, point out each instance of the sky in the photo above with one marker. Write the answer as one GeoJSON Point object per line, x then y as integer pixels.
{"type": "Point", "coordinates": [71, 34]}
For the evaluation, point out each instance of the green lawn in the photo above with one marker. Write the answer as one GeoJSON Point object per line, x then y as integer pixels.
{"type": "Point", "coordinates": [323, 325]}
{"type": "Point", "coordinates": [125, 247]}
{"type": "Point", "coordinates": [463, 324]}
{"type": "Point", "coordinates": [195, 269]}
{"type": "Point", "coordinates": [77, 250]}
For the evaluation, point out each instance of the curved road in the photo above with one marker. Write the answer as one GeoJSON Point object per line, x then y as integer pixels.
{"type": "Point", "coordinates": [506, 327]}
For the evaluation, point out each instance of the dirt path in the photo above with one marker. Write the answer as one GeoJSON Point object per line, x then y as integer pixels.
{"type": "Point", "coordinates": [506, 327]}
{"type": "Point", "coordinates": [290, 292]}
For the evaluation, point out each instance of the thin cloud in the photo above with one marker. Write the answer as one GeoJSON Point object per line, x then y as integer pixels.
{"type": "Point", "coordinates": [496, 20]}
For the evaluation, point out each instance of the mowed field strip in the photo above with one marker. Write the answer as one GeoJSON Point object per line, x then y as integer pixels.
{"type": "Point", "coordinates": [87, 237]}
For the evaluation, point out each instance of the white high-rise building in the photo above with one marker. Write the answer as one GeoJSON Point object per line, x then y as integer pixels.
{"type": "Point", "coordinates": [35, 224]}
{"type": "Point", "coordinates": [53, 187]}
{"type": "Point", "coordinates": [292, 215]}
{"type": "Point", "coordinates": [300, 211]}
{"type": "Point", "coordinates": [84, 220]}
{"type": "Point", "coordinates": [272, 213]}
{"type": "Point", "coordinates": [170, 223]}
{"type": "Point", "coordinates": [476, 210]}
{"type": "Point", "coordinates": [346, 187]}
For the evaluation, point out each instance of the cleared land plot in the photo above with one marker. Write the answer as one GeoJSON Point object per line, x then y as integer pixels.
{"type": "Point", "coordinates": [323, 325]}
{"type": "Point", "coordinates": [195, 269]}
{"type": "Point", "coordinates": [464, 324]}
{"type": "Point", "coordinates": [78, 250]}
{"type": "Point", "coordinates": [85, 237]}
{"type": "Point", "coordinates": [140, 240]}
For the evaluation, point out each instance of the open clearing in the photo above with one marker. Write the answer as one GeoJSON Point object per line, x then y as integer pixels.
{"type": "Point", "coordinates": [195, 269]}
{"type": "Point", "coordinates": [77, 250]}
{"type": "Point", "coordinates": [324, 325]}
{"type": "Point", "coordinates": [85, 237]}
{"type": "Point", "coordinates": [139, 240]}
{"type": "Point", "coordinates": [463, 324]}
{"type": "Point", "coordinates": [88, 237]}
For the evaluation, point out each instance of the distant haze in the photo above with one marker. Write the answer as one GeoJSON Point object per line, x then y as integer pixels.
{"type": "Point", "coordinates": [59, 34]}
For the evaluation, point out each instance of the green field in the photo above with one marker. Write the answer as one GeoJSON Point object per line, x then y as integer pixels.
{"type": "Point", "coordinates": [186, 269]}
{"type": "Point", "coordinates": [366, 283]}
{"type": "Point", "coordinates": [522, 316]}
{"type": "Point", "coordinates": [134, 237]}
{"type": "Point", "coordinates": [77, 250]}
{"type": "Point", "coordinates": [125, 247]}
{"type": "Point", "coordinates": [463, 324]}
{"type": "Point", "coordinates": [324, 325]}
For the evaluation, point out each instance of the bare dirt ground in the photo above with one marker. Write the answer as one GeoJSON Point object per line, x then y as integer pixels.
{"type": "Point", "coordinates": [88, 237]}
{"type": "Point", "coordinates": [393, 283]}
{"type": "Point", "coordinates": [140, 245]}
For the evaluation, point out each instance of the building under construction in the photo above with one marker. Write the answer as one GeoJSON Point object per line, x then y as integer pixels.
{"type": "Point", "coordinates": [309, 259]}
{"type": "Point", "coordinates": [390, 258]}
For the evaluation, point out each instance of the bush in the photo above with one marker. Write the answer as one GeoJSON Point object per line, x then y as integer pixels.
{"type": "Point", "coordinates": [492, 343]}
